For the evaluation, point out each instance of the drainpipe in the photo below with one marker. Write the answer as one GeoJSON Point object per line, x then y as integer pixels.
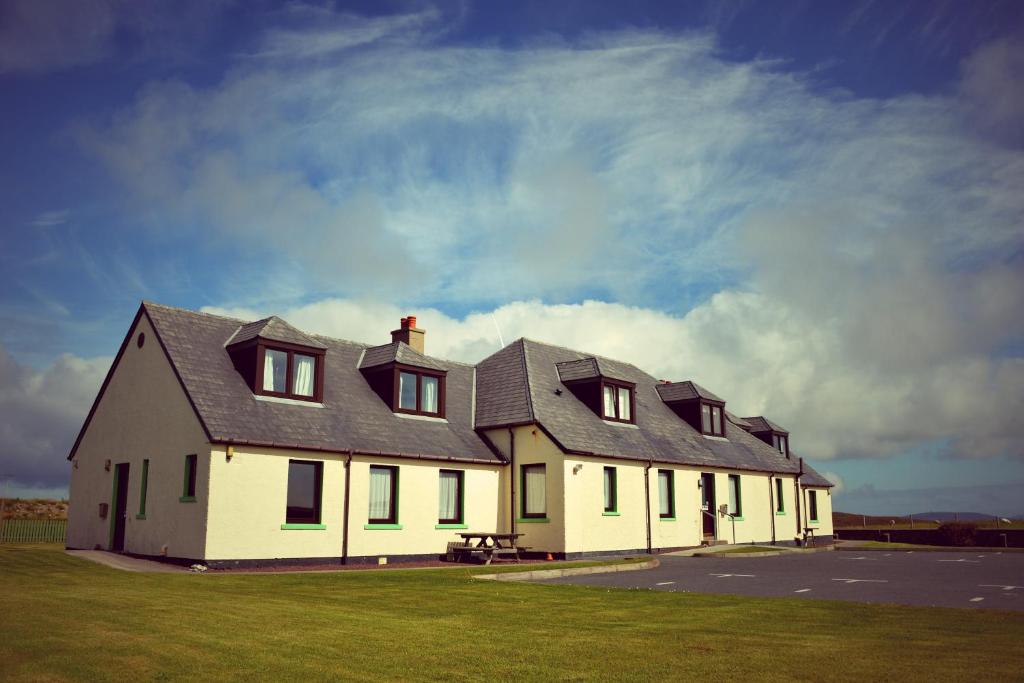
{"type": "Point", "coordinates": [512, 480]}
{"type": "Point", "coordinates": [344, 527]}
{"type": "Point", "coordinates": [647, 498]}
{"type": "Point", "coordinates": [771, 503]}
{"type": "Point", "coordinates": [799, 495]}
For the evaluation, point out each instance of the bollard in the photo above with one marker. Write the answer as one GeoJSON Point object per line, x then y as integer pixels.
{"type": "Point", "coordinates": [888, 537]}
{"type": "Point", "coordinates": [1004, 540]}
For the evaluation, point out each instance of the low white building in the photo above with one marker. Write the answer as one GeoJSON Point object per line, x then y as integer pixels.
{"type": "Point", "coordinates": [238, 443]}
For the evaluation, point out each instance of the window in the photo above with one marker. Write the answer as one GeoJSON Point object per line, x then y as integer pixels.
{"type": "Point", "coordinates": [812, 505]}
{"type": "Point", "coordinates": [611, 493]}
{"type": "Point", "coordinates": [305, 483]}
{"type": "Point", "coordinates": [383, 495]}
{"type": "Point", "coordinates": [449, 499]}
{"type": "Point", "coordinates": [617, 402]}
{"type": "Point", "coordinates": [534, 492]}
{"type": "Point", "coordinates": [289, 374]}
{"type": "Point", "coordinates": [142, 490]}
{"type": "Point", "coordinates": [419, 393]}
{"type": "Point", "coordinates": [711, 419]}
{"type": "Point", "coordinates": [780, 443]}
{"type": "Point", "coordinates": [188, 494]}
{"type": "Point", "coordinates": [780, 502]}
{"type": "Point", "coordinates": [666, 494]}
{"type": "Point", "coordinates": [735, 496]}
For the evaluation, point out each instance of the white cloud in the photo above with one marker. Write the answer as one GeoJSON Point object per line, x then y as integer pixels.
{"type": "Point", "coordinates": [840, 485]}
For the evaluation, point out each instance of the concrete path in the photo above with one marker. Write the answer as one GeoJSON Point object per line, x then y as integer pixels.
{"type": "Point", "coordinates": [126, 563]}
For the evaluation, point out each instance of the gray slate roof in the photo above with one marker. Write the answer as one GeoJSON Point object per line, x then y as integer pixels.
{"type": "Point", "coordinates": [684, 391]}
{"type": "Point", "coordinates": [353, 416]}
{"type": "Point", "coordinates": [763, 424]}
{"type": "Point", "coordinates": [398, 352]}
{"type": "Point", "coordinates": [273, 329]}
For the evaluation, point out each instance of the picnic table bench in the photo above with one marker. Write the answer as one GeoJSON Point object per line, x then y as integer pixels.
{"type": "Point", "coordinates": [485, 544]}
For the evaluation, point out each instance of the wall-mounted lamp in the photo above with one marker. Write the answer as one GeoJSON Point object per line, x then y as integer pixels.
{"type": "Point", "coordinates": [700, 483]}
{"type": "Point", "coordinates": [106, 464]}
{"type": "Point", "coordinates": [576, 468]}
{"type": "Point", "coordinates": [229, 453]}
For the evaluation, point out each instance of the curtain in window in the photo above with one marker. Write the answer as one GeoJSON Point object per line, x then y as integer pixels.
{"type": "Point", "coordinates": [716, 419]}
{"type": "Point", "coordinates": [407, 390]}
{"type": "Point", "coordinates": [428, 402]}
{"type": "Point", "coordinates": [302, 383]}
{"type": "Point", "coordinates": [268, 371]}
{"type": "Point", "coordinates": [380, 493]}
{"type": "Point", "coordinates": [624, 404]}
{"type": "Point", "coordinates": [536, 502]}
{"type": "Point", "coordinates": [609, 401]}
{"type": "Point", "coordinates": [664, 493]}
{"type": "Point", "coordinates": [705, 418]}
{"type": "Point", "coordinates": [448, 496]}
{"type": "Point", "coordinates": [734, 494]}
{"type": "Point", "coordinates": [782, 444]}
{"type": "Point", "coordinates": [609, 488]}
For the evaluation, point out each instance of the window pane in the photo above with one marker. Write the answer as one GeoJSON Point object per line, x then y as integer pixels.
{"type": "Point", "coordinates": [782, 444]}
{"type": "Point", "coordinates": [813, 504]}
{"type": "Point", "coordinates": [609, 489]}
{"type": "Point", "coordinates": [665, 493]}
{"type": "Point", "coordinates": [428, 401]}
{"type": "Point", "coordinates": [716, 420]}
{"type": "Point", "coordinates": [780, 505]}
{"type": "Point", "coordinates": [303, 506]}
{"type": "Point", "coordinates": [302, 380]}
{"type": "Point", "coordinates": [381, 505]}
{"type": "Point", "coordinates": [535, 490]}
{"type": "Point", "coordinates": [775, 440]}
{"type": "Point", "coordinates": [407, 390]}
{"type": "Point", "coordinates": [448, 497]}
{"type": "Point", "coordinates": [275, 365]}
{"type": "Point", "coordinates": [609, 401]}
{"type": "Point", "coordinates": [624, 403]}
{"type": "Point", "coordinates": [705, 418]}
{"type": "Point", "coordinates": [734, 495]}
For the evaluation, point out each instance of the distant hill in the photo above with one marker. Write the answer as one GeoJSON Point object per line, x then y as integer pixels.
{"type": "Point", "coordinates": [950, 516]}
{"type": "Point", "coordinates": [849, 519]}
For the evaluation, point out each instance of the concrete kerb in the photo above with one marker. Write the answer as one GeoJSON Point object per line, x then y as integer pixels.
{"type": "Point", "coordinates": [769, 551]}
{"type": "Point", "coordinates": [541, 574]}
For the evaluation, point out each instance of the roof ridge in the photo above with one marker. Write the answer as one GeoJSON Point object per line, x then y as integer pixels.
{"type": "Point", "coordinates": [153, 304]}
{"type": "Point", "coordinates": [588, 354]}
{"type": "Point", "coordinates": [526, 378]}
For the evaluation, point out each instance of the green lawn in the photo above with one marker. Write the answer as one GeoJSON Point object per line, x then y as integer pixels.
{"type": "Point", "coordinates": [63, 618]}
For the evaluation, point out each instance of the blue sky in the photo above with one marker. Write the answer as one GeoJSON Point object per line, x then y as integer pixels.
{"type": "Point", "coordinates": [813, 209]}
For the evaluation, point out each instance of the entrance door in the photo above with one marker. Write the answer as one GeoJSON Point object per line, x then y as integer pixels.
{"type": "Point", "coordinates": [707, 503]}
{"type": "Point", "coordinates": [120, 506]}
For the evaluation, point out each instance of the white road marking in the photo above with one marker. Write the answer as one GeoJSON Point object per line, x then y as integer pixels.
{"type": "Point", "coordinates": [862, 580]}
{"type": "Point", "coordinates": [996, 585]}
{"type": "Point", "coordinates": [802, 590]}
{"type": "Point", "coordinates": [726, 576]}
{"type": "Point", "coordinates": [960, 560]}
{"type": "Point", "coordinates": [860, 558]}
{"type": "Point", "coordinates": [665, 583]}
{"type": "Point", "coordinates": [977, 599]}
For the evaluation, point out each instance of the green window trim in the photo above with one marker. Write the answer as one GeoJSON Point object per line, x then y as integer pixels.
{"type": "Point", "coordinates": [780, 514]}
{"type": "Point", "coordinates": [451, 526]}
{"type": "Point", "coordinates": [611, 514]}
{"type": "Point", "coordinates": [667, 519]}
{"type": "Point", "coordinates": [383, 527]}
{"type": "Point", "coordinates": [187, 499]}
{"type": "Point", "coordinates": [780, 499]}
{"type": "Point", "coordinates": [461, 523]}
{"type": "Point", "coordinates": [533, 520]}
{"type": "Point", "coordinates": [611, 509]}
{"type": "Point", "coordinates": [188, 488]}
{"type": "Point", "coordinates": [739, 495]}
{"type": "Point", "coordinates": [303, 527]}
{"type": "Point", "coordinates": [113, 507]}
{"type": "Point", "coordinates": [812, 497]}
{"type": "Point", "coordinates": [739, 519]}
{"type": "Point", "coordinates": [522, 492]}
{"type": "Point", "coordinates": [142, 490]}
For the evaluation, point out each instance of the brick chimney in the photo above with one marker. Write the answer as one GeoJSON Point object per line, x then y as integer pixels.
{"type": "Point", "coordinates": [408, 333]}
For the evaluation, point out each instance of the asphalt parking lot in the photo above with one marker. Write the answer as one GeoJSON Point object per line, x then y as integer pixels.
{"type": "Point", "coordinates": [960, 579]}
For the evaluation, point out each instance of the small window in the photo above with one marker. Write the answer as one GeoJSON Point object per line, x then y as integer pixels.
{"type": "Point", "coordinates": [142, 489]}
{"type": "Point", "coordinates": [275, 371]}
{"type": "Point", "coordinates": [711, 419]}
{"type": "Point", "coordinates": [450, 501]}
{"type": "Point", "coordinates": [617, 402]}
{"type": "Point", "coordinates": [305, 483]}
{"type": "Point", "coordinates": [705, 418]}
{"type": "Point", "coordinates": [419, 393]}
{"type": "Point", "coordinates": [735, 496]}
{"type": "Point", "coordinates": [303, 375]}
{"type": "Point", "coordinates": [783, 445]}
{"type": "Point", "coordinates": [666, 494]}
{"type": "Point", "coordinates": [780, 501]}
{"type": "Point", "coordinates": [383, 495]}
{"type": "Point", "coordinates": [812, 505]}
{"type": "Point", "coordinates": [610, 489]}
{"type": "Point", "coordinates": [189, 488]}
{"type": "Point", "coordinates": [716, 421]}
{"type": "Point", "coordinates": [534, 492]}
{"type": "Point", "coordinates": [289, 374]}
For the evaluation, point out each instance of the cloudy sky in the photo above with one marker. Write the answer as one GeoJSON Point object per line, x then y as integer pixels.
{"type": "Point", "coordinates": [813, 209]}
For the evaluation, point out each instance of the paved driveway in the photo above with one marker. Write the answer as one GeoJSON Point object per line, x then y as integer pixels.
{"type": "Point", "coordinates": [972, 580]}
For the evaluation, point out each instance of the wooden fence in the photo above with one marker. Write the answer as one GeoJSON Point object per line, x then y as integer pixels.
{"type": "Point", "coordinates": [33, 530]}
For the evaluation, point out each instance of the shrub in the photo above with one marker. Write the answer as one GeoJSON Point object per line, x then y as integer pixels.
{"type": "Point", "coordinates": [957, 533]}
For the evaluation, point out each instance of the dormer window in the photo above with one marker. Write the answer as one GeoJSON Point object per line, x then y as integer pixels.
{"type": "Point", "coordinates": [277, 360]}
{"type": "Point", "coordinates": [408, 381]}
{"type": "Point", "coordinates": [781, 443]}
{"type": "Point", "coordinates": [711, 419]}
{"type": "Point", "coordinates": [617, 402]}
{"type": "Point", "coordinates": [419, 392]}
{"type": "Point", "coordinates": [704, 411]}
{"type": "Point", "coordinates": [769, 432]}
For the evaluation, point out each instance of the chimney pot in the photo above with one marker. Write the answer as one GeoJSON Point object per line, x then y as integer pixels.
{"type": "Point", "coordinates": [412, 321]}
{"type": "Point", "coordinates": [409, 334]}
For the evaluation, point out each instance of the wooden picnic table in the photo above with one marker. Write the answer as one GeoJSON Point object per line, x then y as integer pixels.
{"type": "Point", "coordinates": [488, 544]}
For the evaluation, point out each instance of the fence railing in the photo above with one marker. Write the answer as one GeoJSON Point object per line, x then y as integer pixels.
{"type": "Point", "coordinates": [33, 530]}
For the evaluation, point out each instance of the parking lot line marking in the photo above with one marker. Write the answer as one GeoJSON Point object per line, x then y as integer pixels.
{"type": "Point", "coordinates": [726, 576]}
{"type": "Point", "coordinates": [996, 585]}
{"type": "Point", "coordinates": [860, 558]}
{"type": "Point", "coordinates": [802, 590]}
{"type": "Point", "coordinates": [961, 560]}
{"type": "Point", "coordinates": [862, 580]}
{"type": "Point", "coordinates": [665, 583]}
{"type": "Point", "coordinates": [977, 599]}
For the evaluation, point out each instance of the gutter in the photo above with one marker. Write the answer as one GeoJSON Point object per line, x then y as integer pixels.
{"type": "Point", "coordinates": [647, 498]}
{"type": "Point", "coordinates": [771, 502]}
{"type": "Point", "coordinates": [344, 526]}
{"type": "Point", "coordinates": [512, 480]}
{"type": "Point", "coordinates": [799, 495]}
{"type": "Point", "coordinates": [341, 451]}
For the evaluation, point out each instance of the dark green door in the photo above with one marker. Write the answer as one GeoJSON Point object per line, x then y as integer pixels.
{"type": "Point", "coordinates": [120, 506]}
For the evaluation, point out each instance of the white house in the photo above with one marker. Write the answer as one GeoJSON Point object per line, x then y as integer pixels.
{"type": "Point", "coordinates": [242, 443]}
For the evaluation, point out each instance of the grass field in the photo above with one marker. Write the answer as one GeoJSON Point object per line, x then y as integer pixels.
{"type": "Point", "coordinates": [62, 618]}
